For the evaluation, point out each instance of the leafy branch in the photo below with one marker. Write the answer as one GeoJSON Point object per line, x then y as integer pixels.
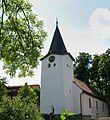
{"type": "Point", "coordinates": [21, 37]}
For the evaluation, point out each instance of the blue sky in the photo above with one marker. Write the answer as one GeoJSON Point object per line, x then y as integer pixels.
{"type": "Point", "coordinates": [84, 25]}
{"type": "Point", "coordinates": [74, 13]}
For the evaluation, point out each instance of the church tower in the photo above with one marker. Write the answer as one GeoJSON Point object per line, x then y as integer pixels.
{"type": "Point", "coordinates": [56, 78]}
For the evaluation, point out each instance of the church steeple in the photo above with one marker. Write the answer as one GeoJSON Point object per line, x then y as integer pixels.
{"type": "Point", "coordinates": [57, 78]}
{"type": "Point", "coordinates": [57, 45]}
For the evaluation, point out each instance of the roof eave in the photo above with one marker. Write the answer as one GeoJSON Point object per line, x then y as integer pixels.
{"type": "Point", "coordinates": [58, 53]}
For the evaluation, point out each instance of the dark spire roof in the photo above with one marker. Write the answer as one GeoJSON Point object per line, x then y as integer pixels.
{"type": "Point", "coordinates": [57, 45]}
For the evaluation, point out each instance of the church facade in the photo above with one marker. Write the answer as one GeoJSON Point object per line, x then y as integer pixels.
{"type": "Point", "coordinates": [60, 90]}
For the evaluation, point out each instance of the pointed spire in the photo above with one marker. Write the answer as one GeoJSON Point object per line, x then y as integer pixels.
{"type": "Point", "coordinates": [57, 45]}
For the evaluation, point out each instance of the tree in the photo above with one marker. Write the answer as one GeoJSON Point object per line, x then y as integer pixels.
{"type": "Point", "coordinates": [21, 107]}
{"type": "Point", "coordinates": [28, 93]}
{"type": "Point", "coordinates": [82, 66]}
{"type": "Point", "coordinates": [18, 109]}
{"type": "Point", "coordinates": [21, 37]}
{"type": "Point", "coordinates": [37, 91]}
{"type": "Point", "coordinates": [104, 72]}
{"type": "Point", "coordinates": [94, 73]}
{"type": "Point", "coordinates": [3, 90]}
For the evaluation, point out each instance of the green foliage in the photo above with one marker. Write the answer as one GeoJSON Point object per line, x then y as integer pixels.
{"type": "Point", "coordinates": [82, 67]}
{"type": "Point", "coordinates": [28, 93]}
{"type": "Point", "coordinates": [3, 80]}
{"type": "Point", "coordinates": [94, 68]}
{"type": "Point", "coordinates": [66, 114]}
{"type": "Point", "coordinates": [104, 72]}
{"type": "Point", "coordinates": [21, 37]}
{"type": "Point", "coordinates": [37, 91]}
{"type": "Point", "coordinates": [3, 90]}
{"type": "Point", "coordinates": [18, 109]}
{"type": "Point", "coordinates": [22, 107]}
{"type": "Point", "coordinates": [94, 72]}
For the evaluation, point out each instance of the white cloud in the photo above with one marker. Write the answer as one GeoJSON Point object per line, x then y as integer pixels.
{"type": "Point", "coordinates": [100, 22]}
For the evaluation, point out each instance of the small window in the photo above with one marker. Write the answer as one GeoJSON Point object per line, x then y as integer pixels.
{"type": "Point", "coordinates": [54, 64]}
{"type": "Point", "coordinates": [97, 105]}
{"type": "Point", "coordinates": [89, 102]}
{"type": "Point", "coordinates": [49, 65]}
{"type": "Point", "coordinates": [70, 91]}
{"type": "Point", "coordinates": [103, 106]}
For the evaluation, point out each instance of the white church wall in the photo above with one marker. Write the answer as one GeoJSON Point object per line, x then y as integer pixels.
{"type": "Point", "coordinates": [86, 110]}
{"type": "Point", "coordinates": [95, 109]}
{"type": "Point", "coordinates": [101, 109]}
{"type": "Point", "coordinates": [67, 77]}
{"type": "Point", "coordinates": [51, 86]}
{"type": "Point", "coordinates": [76, 99]}
{"type": "Point", "coordinates": [56, 85]}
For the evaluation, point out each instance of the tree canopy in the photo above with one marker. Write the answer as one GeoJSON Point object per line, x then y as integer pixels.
{"type": "Point", "coordinates": [94, 71]}
{"type": "Point", "coordinates": [81, 67]}
{"type": "Point", "coordinates": [3, 90]}
{"type": "Point", "coordinates": [95, 80]}
{"type": "Point", "coordinates": [104, 72]}
{"type": "Point", "coordinates": [21, 107]}
{"type": "Point", "coordinates": [28, 93]}
{"type": "Point", "coordinates": [21, 37]}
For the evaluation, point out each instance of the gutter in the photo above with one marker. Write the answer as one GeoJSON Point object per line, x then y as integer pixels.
{"type": "Point", "coordinates": [81, 104]}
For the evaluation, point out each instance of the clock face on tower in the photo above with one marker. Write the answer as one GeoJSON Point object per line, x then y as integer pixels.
{"type": "Point", "coordinates": [51, 58]}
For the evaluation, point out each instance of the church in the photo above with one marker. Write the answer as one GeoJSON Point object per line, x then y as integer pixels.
{"type": "Point", "coordinates": [61, 91]}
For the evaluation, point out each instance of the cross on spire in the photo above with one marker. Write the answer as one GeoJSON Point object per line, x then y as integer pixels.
{"type": "Point", "coordinates": [56, 21]}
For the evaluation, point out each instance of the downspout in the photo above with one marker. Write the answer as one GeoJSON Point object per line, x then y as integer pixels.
{"type": "Point", "coordinates": [81, 104]}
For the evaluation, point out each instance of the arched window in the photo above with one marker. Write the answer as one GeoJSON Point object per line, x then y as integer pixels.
{"type": "Point", "coordinates": [49, 65]}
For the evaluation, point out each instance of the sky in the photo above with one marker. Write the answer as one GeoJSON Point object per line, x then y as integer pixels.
{"type": "Point", "coordinates": [84, 26]}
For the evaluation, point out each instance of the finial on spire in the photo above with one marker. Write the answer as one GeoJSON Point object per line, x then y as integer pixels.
{"type": "Point", "coordinates": [56, 21]}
